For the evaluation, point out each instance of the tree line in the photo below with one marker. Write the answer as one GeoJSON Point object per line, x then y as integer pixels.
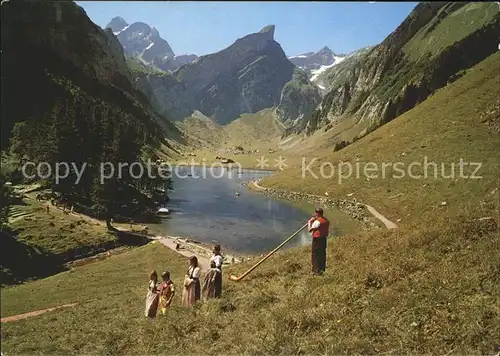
{"type": "Point", "coordinates": [83, 129]}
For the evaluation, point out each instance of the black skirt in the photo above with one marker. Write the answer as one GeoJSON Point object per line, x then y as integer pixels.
{"type": "Point", "coordinates": [197, 290]}
{"type": "Point", "coordinates": [218, 285]}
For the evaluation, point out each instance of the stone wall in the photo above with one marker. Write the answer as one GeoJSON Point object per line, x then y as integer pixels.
{"type": "Point", "coordinates": [355, 210]}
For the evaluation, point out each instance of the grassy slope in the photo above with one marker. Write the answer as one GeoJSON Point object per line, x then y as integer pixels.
{"type": "Point", "coordinates": [110, 296]}
{"type": "Point", "coordinates": [55, 232]}
{"type": "Point", "coordinates": [446, 127]}
{"type": "Point", "coordinates": [453, 28]}
{"type": "Point", "coordinates": [427, 291]}
{"type": "Point", "coordinates": [431, 289]}
{"type": "Point", "coordinates": [261, 126]}
{"type": "Point", "coordinates": [448, 27]}
{"type": "Point", "coordinates": [251, 131]}
{"type": "Point", "coordinates": [201, 131]}
{"type": "Point", "coordinates": [39, 243]}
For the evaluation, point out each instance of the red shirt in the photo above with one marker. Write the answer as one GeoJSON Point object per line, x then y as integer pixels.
{"type": "Point", "coordinates": [167, 288]}
{"type": "Point", "coordinates": [324, 226]}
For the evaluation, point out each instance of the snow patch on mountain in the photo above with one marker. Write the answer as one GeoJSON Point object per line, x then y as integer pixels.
{"type": "Point", "coordinates": [316, 63]}
{"type": "Point", "coordinates": [123, 29]}
{"type": "Point", "coordinates": [323, 68]}
{"type": "Point", "coordinates": [141, 41]}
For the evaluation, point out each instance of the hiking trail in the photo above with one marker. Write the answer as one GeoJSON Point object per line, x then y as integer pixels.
{"type": "Point", "coordinates": [17, 317]}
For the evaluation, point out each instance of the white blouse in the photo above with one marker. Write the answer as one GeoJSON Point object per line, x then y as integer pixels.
{"type": "Point", "coordinates": [195, 273]}
{"type": "Point", "coordinates": [218, 261]}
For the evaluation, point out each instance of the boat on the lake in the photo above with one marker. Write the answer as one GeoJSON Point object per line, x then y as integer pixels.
{"type": "Point", "coordinates": [162, 211]}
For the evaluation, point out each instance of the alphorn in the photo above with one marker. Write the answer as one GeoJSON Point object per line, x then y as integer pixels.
{"type": "Point", "coordinates": [236, 279]}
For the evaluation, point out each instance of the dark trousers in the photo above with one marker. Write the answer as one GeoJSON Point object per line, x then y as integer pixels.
{"type": "Point", "coordinates": [318, 255]}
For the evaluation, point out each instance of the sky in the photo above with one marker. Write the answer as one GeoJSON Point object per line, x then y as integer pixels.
{"type": "Point", "coordinates": [205, 27]}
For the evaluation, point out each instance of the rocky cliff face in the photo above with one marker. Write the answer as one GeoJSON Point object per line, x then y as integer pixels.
{"type": "Point", "coordinates": [170, 64]}
{"type": "Point", "coordinates": [167, 95]}
{"type": "Point", "coordinates": [328, 77]}
{"type": "Point", "coordinates": [143, 42]}
{"type": "Point", "coordinates": [246, 77]}
{"type": "Point", "coordinates": [420, 56]}
{"type": "Point", "coordinates": [316, 64]}
{"type": "Point", "coordinates": [298, 100]}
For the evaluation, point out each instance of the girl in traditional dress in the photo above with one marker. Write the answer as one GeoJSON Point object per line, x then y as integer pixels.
{"type": "Point", "coordinates": [208, 290]}
{"type": "Point", "coordinates": [217, 259]}
{"type": "Point", "coordinates": [152, 296]}
{"type": "Point", "coordinates": [192, 291]}
{"type": "Point", "coordinates": [167, 292]}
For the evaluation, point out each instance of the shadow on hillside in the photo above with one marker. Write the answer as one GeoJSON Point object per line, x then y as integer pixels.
{"type": "Point", "coordinates": [18, 201]}
{"type": "Point", "coordinates": [20, 262]}
{"type": "Point", "coordinates": [126, 238]}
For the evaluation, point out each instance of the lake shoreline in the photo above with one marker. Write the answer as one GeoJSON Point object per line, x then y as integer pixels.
{"type": "Point", "coordinates": [234, 165]}
{"type": "Point", "coordinates": [233, 213]}
{"type": "Point", "coordinates": [356, 211]}
{"type": "Point", "coordinates": [191, 244]}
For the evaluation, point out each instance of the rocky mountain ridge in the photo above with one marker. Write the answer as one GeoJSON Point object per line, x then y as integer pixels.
{"type": "Point", "coordinates": [314, 60]}
{"type": "Point", "coordinates": [245, 77]}
{"type": "Point", "coordinates": [143, 42]}
{"type": "Point", "coordinates": [430, 48]}
{"type": "Point", "coordinates": [210, 83]}
{"type": "Point", "coordinates": [298, 100]}
{"type": "Point", "coordinates": [314, 63]}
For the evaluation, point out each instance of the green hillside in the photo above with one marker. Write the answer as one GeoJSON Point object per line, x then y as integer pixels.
{"type": "Point", "coordinates": [456, 25]}
{"type": "Point", "coordinates": [68, 100]}
{"type": "Point", "coordinates": [431, 288]}
{"type": "Point", "coordinates": [456, 122]}
{"type": "Point", "coordinates": [432, 47]}
{"type": "Point", "coordinates": [250, 131]}
{"type": "Point", "coordinates": [136, 65]}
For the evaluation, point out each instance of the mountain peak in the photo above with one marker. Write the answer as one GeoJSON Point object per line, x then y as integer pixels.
{"type": "Point", "coordinates": [155, 32]}
{"type": "Point", "coordinates": [269, 29]}
{"type": "Point", "coordinates": [117, 24]}
{"type": "Point", "coordinates": [325, 50]}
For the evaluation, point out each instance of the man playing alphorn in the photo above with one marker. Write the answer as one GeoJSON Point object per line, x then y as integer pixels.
{"type": "Point", "coordinates": [319, 227]}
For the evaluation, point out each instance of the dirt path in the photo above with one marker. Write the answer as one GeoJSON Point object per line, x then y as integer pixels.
{"type": "Point", "coordinates": [203, 261]}
{"type": "Point", "coordinates": [44, 203]}
{"type": "Point", "coordinates": [89, 219]}
{"type": "Point", "coordinates": [33, 313]}
{"type": "Point", "coordinates": [387, 223]}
